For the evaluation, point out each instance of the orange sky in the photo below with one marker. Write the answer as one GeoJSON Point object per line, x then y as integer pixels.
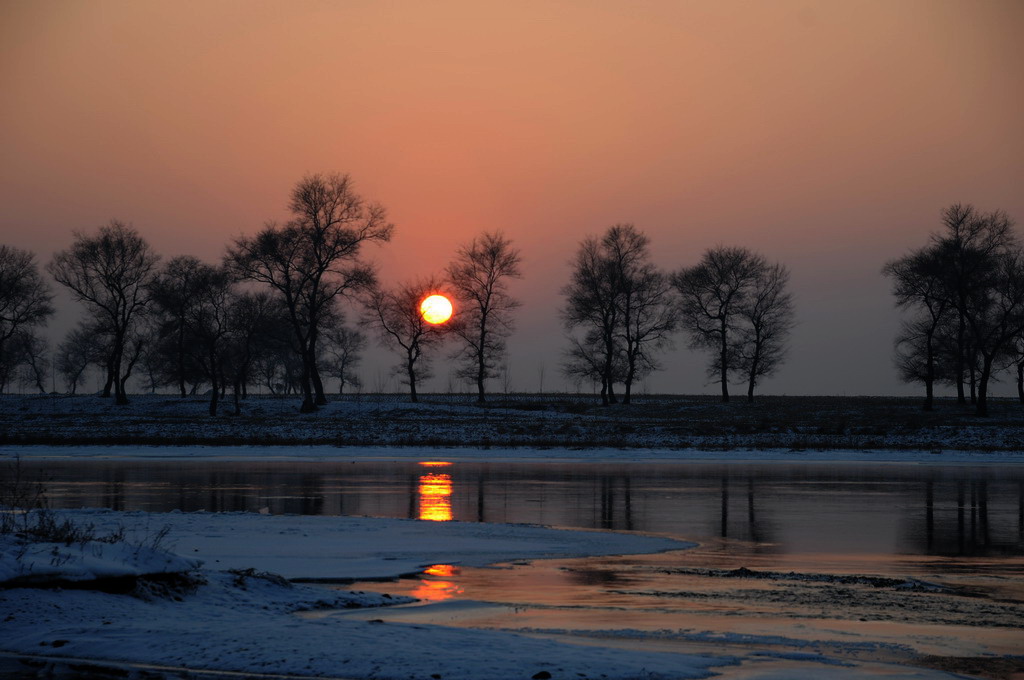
{"type": "Point", "coordinates": [825, 134]}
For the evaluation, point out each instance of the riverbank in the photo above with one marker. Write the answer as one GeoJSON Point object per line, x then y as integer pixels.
{"type": "Point", "coordinates": [518, 421]}
{"type": "Point", "coordinates": [226, 618]}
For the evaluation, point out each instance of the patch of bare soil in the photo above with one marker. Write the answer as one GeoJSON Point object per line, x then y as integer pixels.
{"type": "Point", "coordinates": [998, 668]}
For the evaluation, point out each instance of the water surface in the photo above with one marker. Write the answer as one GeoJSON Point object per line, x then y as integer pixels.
{"type": "Point", "coordinates": [780, 507]}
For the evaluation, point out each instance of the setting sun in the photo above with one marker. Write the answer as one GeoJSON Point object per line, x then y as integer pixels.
{"type": "Point", "coordinates": [436, 309]}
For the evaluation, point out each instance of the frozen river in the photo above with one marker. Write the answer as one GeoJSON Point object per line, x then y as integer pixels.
{"type": "Point", "coordinates": [778, 572]}
{"type": "Point", "coordinates": [812, 507]}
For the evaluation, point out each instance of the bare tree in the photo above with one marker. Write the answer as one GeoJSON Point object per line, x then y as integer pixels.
{"type": "Point", "coordinates": [647, 306]}
{"type": "Point", "coordinates": [34, 359]}
{"type": "Point", "coordinates": [344, 351]}
{"type": "Point", "coordinates": [919, 283]}
{"type": "Point", "coordinates": [479, 280]}
{"type": "Point", "coordinates": [767, 314]}
{"type": "Point", "coordinates": [110, 273]}
{"type": "Point", "coordinates": [996, 317]}
{"type": "Point", "coordinates": [208, 327]}
{"type": "Point", "coordinates": [396, 316]}
{"type": "Point", "coordinates": [312, 260]}
{"type": "Point", "coordinates": [25, 299]}
{"type": "Point", "coordinates": [968, 247]}
{"type": "Point", "coordinates": [585, 360]}
{"type": "Point", "coordinates": [84, 346]}
{"type": "Point", "coordinates": [594, 301]}
{"type": "Point", "coordinates": [74, 355]}
{"type": "Point", "coordinates": [1016, 353]}
{"type": "Point", "coordinates": [712, 295]}
{"type": "Point", "coordinates": [252, 318]}
{"type": "Point", "coordinates": [173, 291]}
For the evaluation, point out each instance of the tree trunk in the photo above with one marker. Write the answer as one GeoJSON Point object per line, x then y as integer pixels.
{"type": "Point", "coordinates": [929, 377]}
{"type": "Point", "coordinates": [307, 392]}
{"type": "Point", "coordinates": [961, 330]}
{"type": "Point", "coordinates": [725, 367]}
{"type": "Point", "coordinates": [1020, 381]}
{"type": "Point", "coordinates": [238, 405]}
{"type": "Point", "coordinates": [480, 373]}
{"type": "Point", "coordinates": [752, 377]}
{"type": "Point", "coordinates": [411, 373]}
{"type": "Point", "coordinates": [612, 399]}
{"type": "Point", "coordinates": [974, 383]}
{"type": "Point", "coordinates": [481, 368]}
{"type": "Point", "coordinates": [116, 357]}
{"type": "Point", "coordinates": [121, 395]}
{"type": "Point", "coordinates": [627, 393]}
{"type": "Point", "coordinates": [215, 389]}
{"type": "Point", "coordinates": [181, 359]}
{"type": "Point", "coordinates": [981, 409]}
{"type": "Point", "coordinates": [109, 384]}
{"type": "Point", "coordinates": [318, 385]}
{"type": "Point", "coordinates": [314, 372]}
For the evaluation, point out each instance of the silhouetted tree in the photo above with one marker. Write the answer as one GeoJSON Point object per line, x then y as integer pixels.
{"type": "Point", "coordinates": [344, 349]}
{"type": "Point", "coordinates": [173, 291]}
{"type": "Point", "coordinates": [1016, 353]}
{"type": "Point", "coordinates": [712, 295]}
{"type": "Point", "coordinates": [968, 248]}
{"type": "Point", "coordinates": [767, 318]}
{"type": "Point", "coordinates": [312, 260]}
{"type": "Point", "coordinates": [647, 307]}
{"type": "Point", "coordinates": [33, 350]}
{"type": "Point", "coordinates": [84, 346]}
{"type": "Point", "coordinates": [479, 280]}
{"type": "Point", "coordinates": [110, 273]}
{"type": "Point", "coordinates": [252, 318]}
{"type": "Point", "coordinates": [585, 360]}
{"type": "Point", "coordinates": [396, 316]}
{"type": "Point", "coordinates": [919, 283]}
{"type": "Point", "coordinates": [996, 317]}
{"type": "Point", "coordinates": [25, 299]}
{"type": "Point", "coordinates": [593, 303]}
{"type": "Point", "coordinates": [208, 326]}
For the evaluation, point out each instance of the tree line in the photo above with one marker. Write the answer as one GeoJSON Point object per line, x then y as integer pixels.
{"type": "Point", "coordinates": [274, 312]}
{"type": "Point", "coordinates": [963, 292]}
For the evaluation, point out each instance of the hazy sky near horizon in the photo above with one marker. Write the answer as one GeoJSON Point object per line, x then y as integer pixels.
{"type": "Point", "coordinates": [826, 135]}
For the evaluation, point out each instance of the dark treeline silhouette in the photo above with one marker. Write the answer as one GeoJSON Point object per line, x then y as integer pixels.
{"type": "Point", "coordinates": [964, 291]}
{"type": "Point", "coordinates": [273, 313]}
{"type": "Point", "coordinates": [621, 310]}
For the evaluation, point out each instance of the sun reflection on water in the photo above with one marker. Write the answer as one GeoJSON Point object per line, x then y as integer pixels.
{"type": "Point", "coordinates": [436, 590]}
{"type": "Point", "coordinates": [435, 494]}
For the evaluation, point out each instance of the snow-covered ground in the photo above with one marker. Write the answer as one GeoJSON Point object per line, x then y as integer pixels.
{"type": "Point", "coordinates": [675, 422]}
{"type": "Point", "coordinates": [239, 622]}
{"type": "Point", "coordinates": [243, 621]}
{"type": "Point", "coordinates": [357, 548]}
{"type": "Point", "coordinates": [434, 453]}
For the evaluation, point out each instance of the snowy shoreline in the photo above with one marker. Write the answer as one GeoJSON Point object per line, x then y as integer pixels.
{"type": "Point", "coordinates": [240, 621]}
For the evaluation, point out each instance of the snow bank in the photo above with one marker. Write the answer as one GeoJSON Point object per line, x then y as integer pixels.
{"type": "Point", "coordinates": [359, 548]}
{"type": "Point", "coordinates": [250, 627]}
{"type": "Point", "coordinates": [245, 622]}
{"type": "Point", "coordinates": [48, 562]}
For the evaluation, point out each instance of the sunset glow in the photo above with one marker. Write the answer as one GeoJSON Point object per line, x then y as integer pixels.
{"type": "Point", "coordinates": [436, 309]}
